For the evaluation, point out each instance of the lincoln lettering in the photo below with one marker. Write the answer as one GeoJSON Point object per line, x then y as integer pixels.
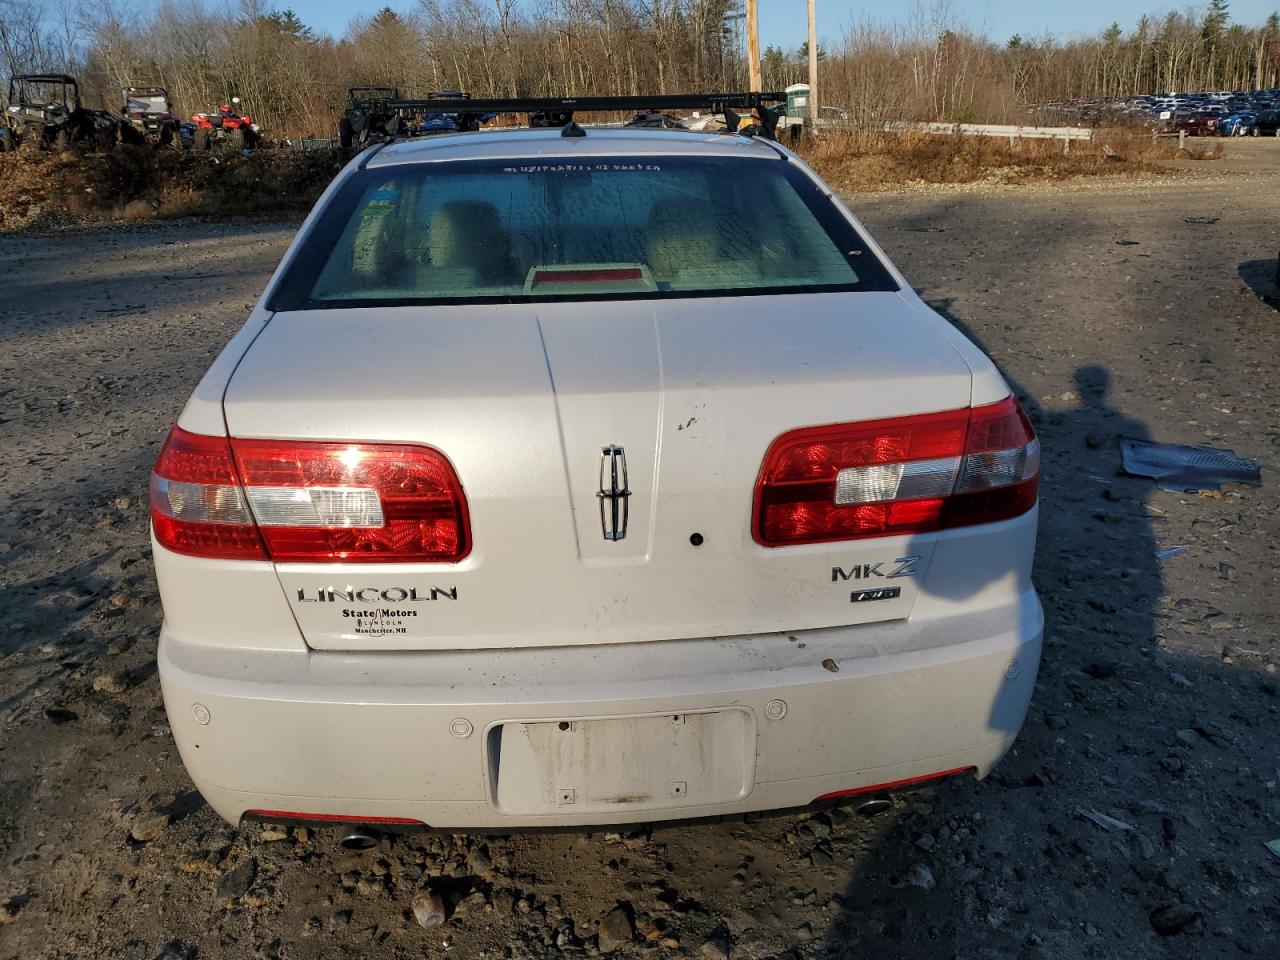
{"type": "Point", "coordinates": [377, 594]}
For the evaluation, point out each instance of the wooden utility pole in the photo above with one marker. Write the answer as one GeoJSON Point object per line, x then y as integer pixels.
{"type": "Point", "coordinates": [753, 45]}
{"type": "Point", "coordinates": [813, 59]}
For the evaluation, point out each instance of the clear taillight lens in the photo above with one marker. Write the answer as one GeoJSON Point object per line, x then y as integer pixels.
{"type": "Point", "coordinates": [898, 476]}
{"type": "Point", "coordinates": [197, 505]}
{"type": "Point", "coordinates": [307, 501]}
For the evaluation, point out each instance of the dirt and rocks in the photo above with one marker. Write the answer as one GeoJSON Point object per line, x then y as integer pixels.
{"type": "Point", "coordinates": [44, 188]}
{"type": "Point", "coordinates": [1128, 821]}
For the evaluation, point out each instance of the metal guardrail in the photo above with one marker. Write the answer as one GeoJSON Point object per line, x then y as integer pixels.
{"type": "Point", "coordinates": [316, 143]}
{"type": "Point", "coordinates": [1008, 131]}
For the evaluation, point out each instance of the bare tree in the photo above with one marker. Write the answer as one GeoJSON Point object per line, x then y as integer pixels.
{"type": "Point", "coordinates": [928, 64]}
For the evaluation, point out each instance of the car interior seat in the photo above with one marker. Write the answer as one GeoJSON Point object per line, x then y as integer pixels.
{"type": "Point", "coordinates": [466, 247]}
{"type": "Point", "coordinates": [686, 247]}
{"type": "Point", "coordinates": [377, 247]}
{"type": "Point", "coordinates": [462, 246]}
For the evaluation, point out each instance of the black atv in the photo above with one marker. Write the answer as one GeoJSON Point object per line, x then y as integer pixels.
{"type": "Point", "coordinates": [465, 122]}
{"type": "Point", "coordinates": [368, 117]}
{"type": "Point", "coordinates": [655, 119]}
{"type": "Point", "coordinates": [377, 114]}
{"type": "Point", "coordinates": [147, 116]}
{"type": "Point", "coordinates": [44, 110]}
{"type": "Point", "coordinates": [550, 118]}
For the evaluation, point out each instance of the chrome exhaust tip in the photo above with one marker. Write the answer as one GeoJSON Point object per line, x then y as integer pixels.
{"type": "Point", "coordinates": [873, 806]}
{"type": "Point", "coordinates": [359, 839]}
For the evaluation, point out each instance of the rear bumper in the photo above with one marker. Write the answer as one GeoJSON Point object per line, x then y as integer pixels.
{"type": "Point", "coordinates": [412, 735]}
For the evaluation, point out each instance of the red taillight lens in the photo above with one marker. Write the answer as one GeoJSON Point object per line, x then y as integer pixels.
{"type": "Point", "coordinates": [354, 501]}
{"type": "Point", "coordinates": [197, 504]}
{"type": "Point", "coordinates": [1001, 473]}
{"type": "Point", "coordinates": [306, 501]}
{"type": "Point", "coordinates": [899, 476]}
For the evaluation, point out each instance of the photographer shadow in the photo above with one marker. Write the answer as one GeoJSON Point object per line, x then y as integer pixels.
{"type": "Point", "coordinates": [956, 862]}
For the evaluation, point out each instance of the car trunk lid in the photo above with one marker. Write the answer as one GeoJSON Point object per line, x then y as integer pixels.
{"type": "Point", "coordinates": [536, 404]}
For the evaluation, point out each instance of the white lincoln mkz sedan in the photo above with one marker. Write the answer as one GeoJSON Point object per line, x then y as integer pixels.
{"type": "Point", "coordinates": [574, 480]}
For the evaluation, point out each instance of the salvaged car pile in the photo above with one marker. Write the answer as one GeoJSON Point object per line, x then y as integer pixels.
{"type": "Point", "coordinates": [1228, 114]}
{"type": "Point", "coordinates": [578, 476]}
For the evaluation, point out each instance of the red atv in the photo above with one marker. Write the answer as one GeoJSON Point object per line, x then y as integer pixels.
{"type": "Point", "coordinates": [214, 128]}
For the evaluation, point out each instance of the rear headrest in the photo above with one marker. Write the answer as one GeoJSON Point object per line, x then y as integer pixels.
{"type": "Point", "coordinates": [682, 235]}
{"type": "Point", "coordinates": [468, 233]}
{"type": "Point", "coordinates": [377, 238]}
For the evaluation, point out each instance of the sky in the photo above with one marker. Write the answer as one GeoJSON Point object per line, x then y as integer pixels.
{"type": "Point", "coordinates": [782, 22]}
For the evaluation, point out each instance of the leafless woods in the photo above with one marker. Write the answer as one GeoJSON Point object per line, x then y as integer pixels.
{"type": "Point", "coordinates": [928, 64]}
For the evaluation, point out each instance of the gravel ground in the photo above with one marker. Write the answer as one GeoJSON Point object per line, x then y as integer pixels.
{"type": "Point", "coordinates": [1129, 820]}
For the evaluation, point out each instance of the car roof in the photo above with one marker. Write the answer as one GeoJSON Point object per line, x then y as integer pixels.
{"type": "Point", "coordinates": [548, 142]}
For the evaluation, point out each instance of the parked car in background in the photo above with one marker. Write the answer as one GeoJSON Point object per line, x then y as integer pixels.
{"type": "Point", "coordinates": [1237, 124]}
{"type": "Point", "coordinates": [1161, 111]}
{"type": "Point", "coordinates": [450, 122]}
{"type": "Point", "coordinates": [1267, 124]}
{"type": "Point", "coordinates": [1198, 124]}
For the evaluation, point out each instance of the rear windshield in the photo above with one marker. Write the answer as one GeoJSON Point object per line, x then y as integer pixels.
{"type": "Point", "coordinates": [554, 229]}
{"type": "Point", "coordinates": [147, 103]}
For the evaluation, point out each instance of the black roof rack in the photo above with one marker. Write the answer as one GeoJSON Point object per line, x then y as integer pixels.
{"type": "Point", "coordinates": [564, 108]}
{"type": "Point", "coordinates": [43, 77]}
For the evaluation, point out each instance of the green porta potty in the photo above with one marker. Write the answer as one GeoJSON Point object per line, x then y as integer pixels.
{"type": "Point", "coordinates": [798, 101]}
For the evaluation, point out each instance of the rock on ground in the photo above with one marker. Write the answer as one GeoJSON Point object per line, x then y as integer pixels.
{"type": "Point", "coordinates": [429, 909]}
{"type": "Point", "coordinates": [617, 928]}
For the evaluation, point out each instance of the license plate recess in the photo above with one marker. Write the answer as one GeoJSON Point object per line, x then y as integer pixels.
{"type": "Point", "coordinates": [637, 763]}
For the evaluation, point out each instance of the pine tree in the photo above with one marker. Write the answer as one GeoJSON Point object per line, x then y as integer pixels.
{"type": "Point", "coordinates": [290, 25]}
{"type": "Point", "coordinates": [1215, 21]}
{"type": "Point", "coordinates": [803, 53]}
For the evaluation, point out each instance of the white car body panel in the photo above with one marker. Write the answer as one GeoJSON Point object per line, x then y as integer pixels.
{"type": "Point", "coordinates": [277, 704]}
{"type": "Point", "coordinates": [372, 734]}
{"type": "Point", "coordinates": [521, 398]}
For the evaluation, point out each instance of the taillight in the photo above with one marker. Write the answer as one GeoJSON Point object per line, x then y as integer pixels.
{"type": "Point", "coordinates": [197, 504]}
{"type": "Point", "coordinates": [307, 501]}
{"type": "Point", "coordinates": [899, 476]}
